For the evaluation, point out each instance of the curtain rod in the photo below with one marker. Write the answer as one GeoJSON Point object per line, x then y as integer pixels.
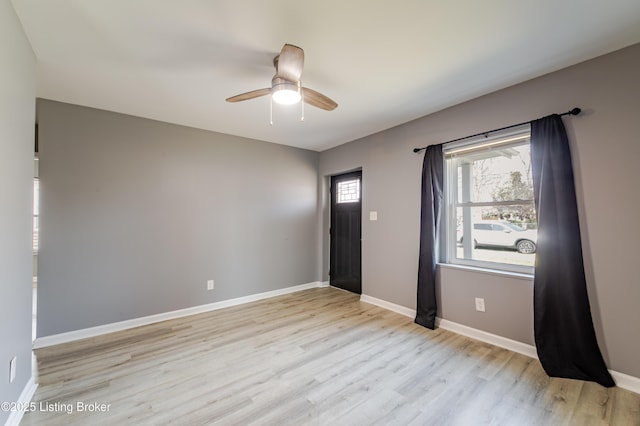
{"type": "Point", "coordinates": [574, 111]}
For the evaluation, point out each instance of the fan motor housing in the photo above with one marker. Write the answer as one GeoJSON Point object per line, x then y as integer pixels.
{"type": "Point", "coordinates": [278, 83]}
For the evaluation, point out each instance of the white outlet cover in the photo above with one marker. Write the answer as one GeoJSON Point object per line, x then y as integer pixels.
{"type": "Point", "coordinates": [480, 304]}
{"type": "Point", "coordinates": [210, 284]}
{"type": "Point", "coordinates": [373, 215]}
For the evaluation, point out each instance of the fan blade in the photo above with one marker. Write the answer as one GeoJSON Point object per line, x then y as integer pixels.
{"type": "Point", "coordinates": [318, 100]}
{"type": "Point", "coordinates": [290, 63]}
{"type": "Point", "coordinates": [249, 95]}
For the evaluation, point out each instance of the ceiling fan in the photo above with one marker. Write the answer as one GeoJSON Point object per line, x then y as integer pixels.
{"type": "Point", "coordinates": [285, 87]}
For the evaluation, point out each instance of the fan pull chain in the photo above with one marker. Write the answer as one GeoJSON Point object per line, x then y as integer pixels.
{"type": "Point", "coordinates": [302, 106]}
{"type": "Point", "coordinates": [270, 110]}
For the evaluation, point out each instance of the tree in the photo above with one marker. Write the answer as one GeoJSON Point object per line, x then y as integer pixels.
{"type": "Point", "coordinates": [515, 190]}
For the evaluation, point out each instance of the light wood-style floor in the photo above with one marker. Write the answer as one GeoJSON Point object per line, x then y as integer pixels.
{"type": "Point", "coordinates": [318, 357]}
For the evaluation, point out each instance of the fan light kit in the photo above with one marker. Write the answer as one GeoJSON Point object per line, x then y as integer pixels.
{"type": "Point", "coordinates": [286, 88]}
{"type": "Point", "coordinates": [286, 93]}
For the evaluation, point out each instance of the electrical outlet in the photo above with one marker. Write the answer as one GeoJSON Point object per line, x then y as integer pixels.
{"type": "Point", "coordinates": [12, 369]}
{"type": "Point", "coordinates": [479, 304]}
{"type": "Point", "coordinates": [210, 285]}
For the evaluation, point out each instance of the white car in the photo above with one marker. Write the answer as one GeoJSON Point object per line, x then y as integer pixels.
{"type": "Point", "coordinates": [500, 233]}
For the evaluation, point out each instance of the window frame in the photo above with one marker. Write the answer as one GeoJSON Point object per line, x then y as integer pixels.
{"type": "Point", "coordinates": [501, 140]}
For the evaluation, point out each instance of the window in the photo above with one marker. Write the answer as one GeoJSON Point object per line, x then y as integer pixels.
{"type": "Point", "coordinates": [36, 215]}
{"type": "Point", "coordinates": [36, 206]}
{"type": "Point", "coordinates": [490, 213]}
{"type": "Point", "coordinates": [349, 191]}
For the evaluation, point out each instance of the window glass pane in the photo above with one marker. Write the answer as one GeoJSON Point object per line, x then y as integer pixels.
{"type": "Point", "coordinates": [36, 212]}
{"type": "Point", "coordinates": [493, 238]}
{"type": "Point", "coordinates": [36, 234]}
{"type": "Point", "coordinates": [348, 191]}
{"type": "Point", "coordinates": [496, 175]}
{"type": "Point", "coordinates": [36, 197]}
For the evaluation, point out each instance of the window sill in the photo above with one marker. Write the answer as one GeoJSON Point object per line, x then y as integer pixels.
{"type": "Point", "coordinates": [509, 274]}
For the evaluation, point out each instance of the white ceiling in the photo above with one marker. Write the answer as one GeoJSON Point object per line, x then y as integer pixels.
{"type": "Point", "coordinates": [384, 62]}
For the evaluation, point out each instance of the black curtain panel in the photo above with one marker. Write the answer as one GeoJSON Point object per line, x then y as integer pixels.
{"type": "Point", "coordinates": [432, 187]}
{"type": "Point", "coordinates": [564, 334]}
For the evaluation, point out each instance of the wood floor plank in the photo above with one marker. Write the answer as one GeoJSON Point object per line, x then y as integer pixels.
{"type": "Point", "coordinates": [316, 357]}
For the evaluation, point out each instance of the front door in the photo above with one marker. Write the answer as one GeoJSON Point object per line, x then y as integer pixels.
{"type": "Point", "coordinates": [346, 218]}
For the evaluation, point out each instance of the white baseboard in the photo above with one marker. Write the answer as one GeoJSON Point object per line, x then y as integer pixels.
{"type": "Point", "coordinates": [388, 306]}
{"type": "Point", "coordinates": [625, 381]}
{"type": "Point", "coordinates": [25, 398]}
{"type": "Point", "coordinates": [622, 380]}
{"type": "Point", "coordinates": [483, 336]}
{"type": "Point", "coordinates": [56, 339]}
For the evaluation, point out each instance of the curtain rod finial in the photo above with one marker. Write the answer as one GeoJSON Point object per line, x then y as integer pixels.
{"type": "Point", "coordinates": [417, 149]}
{"type": "Point", "coordinates": [575, 111]}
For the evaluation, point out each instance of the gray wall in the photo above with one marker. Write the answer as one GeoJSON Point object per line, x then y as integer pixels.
{"type": "Point", "coordinates": [17, 119]}
{"type": "Point", "coordinates": [606, 148]}
{"type": "Point", "coordinates": [136, 216]}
